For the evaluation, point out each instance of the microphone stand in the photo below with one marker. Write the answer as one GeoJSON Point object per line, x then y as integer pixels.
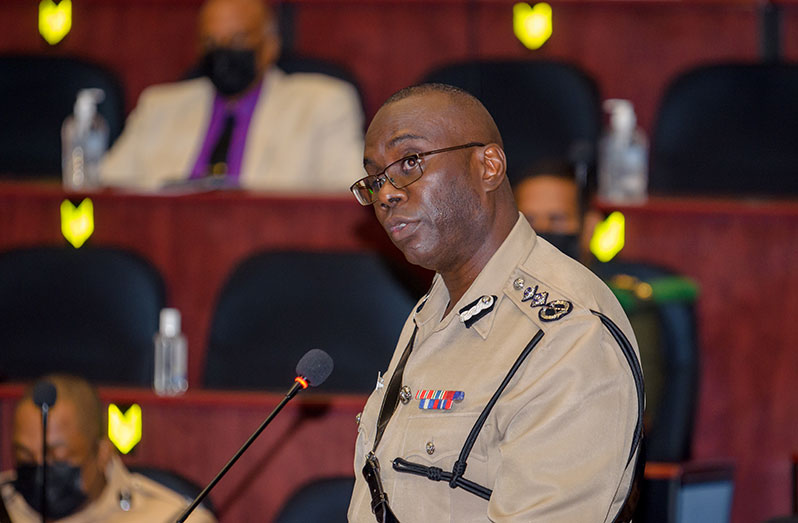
{"type": "Point", "coordinates": [288, 396]}
{"type": "Point", "coordinates": [45, 411]}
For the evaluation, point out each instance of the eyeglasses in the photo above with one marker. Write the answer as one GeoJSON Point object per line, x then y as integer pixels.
{"type": "Point", "coordinates": [400, 173]}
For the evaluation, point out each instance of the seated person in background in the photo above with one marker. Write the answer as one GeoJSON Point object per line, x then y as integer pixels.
{"type": "Point", "coordinates": [557, 208]}
{"type": "Point", "coordinates": [245, 119]}
{"type": "Point", "coordinates": [86, 480]}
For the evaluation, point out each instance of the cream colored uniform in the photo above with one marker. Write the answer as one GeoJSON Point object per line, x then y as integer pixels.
{"type": "Point", "coordinates": [127, 498]}
{"type": "Point", "coordinates": [556, 446]}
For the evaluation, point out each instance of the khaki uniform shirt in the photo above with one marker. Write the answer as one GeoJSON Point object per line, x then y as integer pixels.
{"type": "Point", "coordinates": [127, 498]}
{"type": "Point", "coordinates": [556, 446]}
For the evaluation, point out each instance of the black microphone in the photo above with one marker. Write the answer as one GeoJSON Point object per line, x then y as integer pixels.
{"type": "Point", "coordinates": [313, 368]}
{"type": "Point", "coordinates": [44, 396]}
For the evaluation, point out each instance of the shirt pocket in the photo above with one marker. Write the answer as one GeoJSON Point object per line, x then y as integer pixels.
{"type": "Point", "coordinates": [436, 438]}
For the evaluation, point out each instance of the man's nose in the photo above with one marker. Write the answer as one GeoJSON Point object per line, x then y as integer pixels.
{"type": "Point", "coordinates": [389, 196]}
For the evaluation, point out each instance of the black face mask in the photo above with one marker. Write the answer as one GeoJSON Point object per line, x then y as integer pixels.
{"type": "Point", "coordinates": [230, 70]}
{"type": "Point", "coordinates": [567, 243]}
{"type": "Point", "coordinates": [64, 495]}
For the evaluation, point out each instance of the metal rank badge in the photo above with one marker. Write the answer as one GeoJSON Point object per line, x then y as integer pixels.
{"type": "Point", "coordinates": [438, 399]}
{"type": "Point", "coordinates": [549, 310]}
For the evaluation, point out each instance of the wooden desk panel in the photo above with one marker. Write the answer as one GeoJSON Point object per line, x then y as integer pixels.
{"type": "Point", "coordinates": [198, 433]}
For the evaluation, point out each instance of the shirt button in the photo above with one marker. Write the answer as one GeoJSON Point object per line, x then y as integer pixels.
{"type": "Point", "coordinates": [518, 284]}
{"type": "Point", "coordinates": [405, 395]}
{"type": "Point", "coordinates": [430, 448]}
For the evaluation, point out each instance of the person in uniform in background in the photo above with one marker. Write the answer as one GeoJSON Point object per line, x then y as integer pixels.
{"type": "Point", "coordinates": [86, 480]}
{"type": "Point", "coordinates": [515, 391]}
{"type": "Point", "coordinates": [244, 122]}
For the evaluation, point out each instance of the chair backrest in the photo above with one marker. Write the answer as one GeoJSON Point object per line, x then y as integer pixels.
{"type": "Point", "coordinates": [728, 129]}
{"type": "Point", "coordinates": [174, 481]}
{"type": "Point", "coordinates": [89, 311]}
{"type": "Point", "coordinates": [278, 305]}
{"type": "Point", "coordinates": [665, 327]}
{"type": "Point", "coordinates": [36, 94]}
{"type": "Point", "coordinates": [324, 500]}
{"type": "Point", "coordinates": [544, 109]}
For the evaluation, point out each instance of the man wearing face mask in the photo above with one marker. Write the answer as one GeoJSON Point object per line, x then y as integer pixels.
{"type": "Point", "coordinates": [550, 198]}
{"type": "Point", "coordinates": [86, 481]}
{"type": "Point", "coordinates": [244, 122]}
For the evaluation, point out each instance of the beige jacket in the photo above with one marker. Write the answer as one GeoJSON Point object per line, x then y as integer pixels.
{"type": "Point", "coordinates": [149, 502]}
{"type": "Point", "coordinates": [306, 135]}
{"type": "Point", "coordinates": [556, 446]}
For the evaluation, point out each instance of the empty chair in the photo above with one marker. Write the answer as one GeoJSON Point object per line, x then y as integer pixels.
{"type": "Point", "coordinates": [323, 500]}
{"type": "Point", "coordinates": [36, 94]}
{"type": "Point", "coordinates": [90, 312]}
{"type": "Point", "coordinates": [278, 305]}
{"type": "Point", "coordinates": [728, 129]}
{"type": "Point", "coordinates": [543, 109]}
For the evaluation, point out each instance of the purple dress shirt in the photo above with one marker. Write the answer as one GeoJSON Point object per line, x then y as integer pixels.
{"type": "Point", "coordinates": [242, 110]}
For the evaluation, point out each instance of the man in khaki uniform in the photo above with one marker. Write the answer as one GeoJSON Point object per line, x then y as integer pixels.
{"type": "Point", "coordinates": [515, 392]}
{"type": "Point", "coordinates": [86, 481]}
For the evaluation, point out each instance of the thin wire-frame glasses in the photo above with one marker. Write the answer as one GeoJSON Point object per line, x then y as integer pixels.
{"type": "Point", "coordinates": [400, 173]}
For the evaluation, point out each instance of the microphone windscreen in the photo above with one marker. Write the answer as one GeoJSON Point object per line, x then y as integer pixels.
{"type": "Point", "coordinates": [44, 393]}
{"type": "Point", "coordinates": [315, 366]}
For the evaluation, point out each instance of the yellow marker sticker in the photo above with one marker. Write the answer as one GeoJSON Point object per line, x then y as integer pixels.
{"type": "Point", "coordinates": [55, 20]}
{"type": "Point", "coordinates": [608, 238]}
{"type": "Point", "coordinates": [124, 430]}
{"type": "Point", "coordinates": [532, 25]}
{"type": "Point", "coordinates": [77, 223]}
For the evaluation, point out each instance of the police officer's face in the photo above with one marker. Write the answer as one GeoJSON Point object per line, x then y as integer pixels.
{"type": "Point", "coordinates": [436, 221]}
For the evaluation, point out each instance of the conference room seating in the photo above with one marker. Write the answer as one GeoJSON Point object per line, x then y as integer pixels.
{"type": "Point", "coordinates": [37, 93]}
{"type": "Point", "coordinates": [276, 305]}
{"type": "Point", "coordinates": [728, 129]}
{"type": "Point", "coordinates": [89, 311]}
{"type": "Point", "coordinates": [544, 109]}
{"type": "Point", "coordinates": [661, 307]}
{"type": "Point", "coordinates": [325, 499]}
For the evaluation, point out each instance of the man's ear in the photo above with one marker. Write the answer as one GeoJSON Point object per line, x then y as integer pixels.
{"type": "Point", "coordinates": [495, 167]}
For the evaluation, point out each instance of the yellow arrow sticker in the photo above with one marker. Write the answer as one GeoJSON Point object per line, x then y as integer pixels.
{"type": "Point", "coordinates": [124, 430]}
{"type": "Point", "coordinates": [77, 223]}
{"type": "Point", "coordinates": [532, 25]}
{"type": "Point", "coordinates": [55, 20]}
{"type": "Point", "coordinates": [608, 238]}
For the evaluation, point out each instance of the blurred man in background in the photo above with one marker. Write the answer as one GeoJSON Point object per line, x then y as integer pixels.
{"type": "Point", "coordinates": [244, 121]}
{"type": "Point", "coordinates": [86, 480]}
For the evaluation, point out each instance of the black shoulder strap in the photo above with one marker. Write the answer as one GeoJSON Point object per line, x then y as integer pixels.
{"type": "Point", "coordinates": [636, 452]}
{"type": "Point", "coordinates": [455, 477]}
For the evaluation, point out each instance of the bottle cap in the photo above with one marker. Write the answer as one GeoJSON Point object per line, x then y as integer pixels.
{"type": "Point", "coordinates": [170, 322]}
{"type": "Point", "coordinates": [622, 115]}
{"type": "Point", "coordinates": [86, 106]}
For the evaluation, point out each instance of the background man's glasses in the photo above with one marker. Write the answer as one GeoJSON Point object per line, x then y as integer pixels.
{"type": "Point", "coordinates": [400, 173]}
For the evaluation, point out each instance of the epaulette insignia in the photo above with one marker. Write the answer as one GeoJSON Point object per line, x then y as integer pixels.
{"type": "Point", "coordinates": [476, 309]}
{"type": "Point", "coordinates": [549, 310]}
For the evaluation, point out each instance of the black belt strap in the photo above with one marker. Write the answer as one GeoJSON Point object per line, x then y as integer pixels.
{"type": "Point", "coordinates": [455, 477]}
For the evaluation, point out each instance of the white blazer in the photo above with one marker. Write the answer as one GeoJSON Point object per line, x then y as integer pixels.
{"type": "Point", "coordinates": [306, 135]}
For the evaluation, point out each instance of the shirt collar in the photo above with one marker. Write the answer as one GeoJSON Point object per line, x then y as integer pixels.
{"type": "Point", "coordinates": [491, 281]}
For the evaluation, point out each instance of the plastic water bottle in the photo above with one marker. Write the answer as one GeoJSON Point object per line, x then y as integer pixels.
{"type": "Point", "coordinates": [622, 156]}
{"type": "Point", "coordinates": [84, 140]}
{"type": "Point", "coordinates": [171, 356]}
